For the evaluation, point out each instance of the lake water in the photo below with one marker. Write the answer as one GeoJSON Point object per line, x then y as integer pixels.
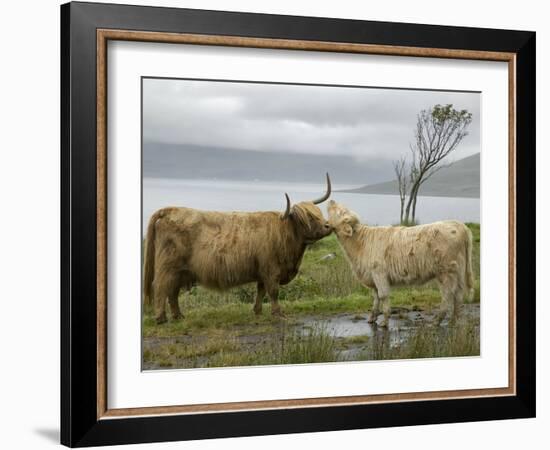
{"type": "Point", "coordinates": [218, 195]}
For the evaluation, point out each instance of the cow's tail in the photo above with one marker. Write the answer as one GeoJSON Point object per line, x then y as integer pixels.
{"type": "Point", "coordinates": [149, 259]}
{"type": "Point", "coordinates": [469, 275]}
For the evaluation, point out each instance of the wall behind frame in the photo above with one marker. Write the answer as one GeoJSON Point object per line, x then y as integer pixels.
{"type": "Point", "coordinates": [29, 189]}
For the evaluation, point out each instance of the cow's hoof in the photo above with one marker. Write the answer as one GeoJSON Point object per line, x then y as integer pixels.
{"type": "Point", "coordinates": [161, 320]}
{"type": "Point", "coordinates": [372, 319]}
{"type": "Point", "coordinates": [178, 317]}
{"type": "Point", "coordinates": [278, 314]}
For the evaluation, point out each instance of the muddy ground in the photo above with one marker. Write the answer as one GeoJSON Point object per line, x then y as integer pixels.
{"type": "Point", "coordinates": [355, 338]}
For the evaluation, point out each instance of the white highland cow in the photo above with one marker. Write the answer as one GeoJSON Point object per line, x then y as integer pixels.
{"type": "Point", "coordinates": [382, 257]}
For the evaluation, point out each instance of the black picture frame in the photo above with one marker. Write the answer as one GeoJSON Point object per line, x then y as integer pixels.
{"type": "Point", "coordinates": [80, 425]}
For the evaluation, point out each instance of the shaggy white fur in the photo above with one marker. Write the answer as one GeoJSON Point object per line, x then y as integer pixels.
{"type": "Point", "coordinates": [382, 257]}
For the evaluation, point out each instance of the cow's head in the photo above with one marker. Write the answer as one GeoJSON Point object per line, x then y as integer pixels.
{"type": "Point", "coordinates": [307, 218]}
{"type": "Point", "coordinates": [342, 219]}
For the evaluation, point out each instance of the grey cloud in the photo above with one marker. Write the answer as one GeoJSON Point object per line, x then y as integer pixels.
{"type": "Point", "coordinates": [359, 122]}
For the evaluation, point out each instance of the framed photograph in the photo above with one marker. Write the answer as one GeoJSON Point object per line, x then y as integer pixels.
{"type": "Point", "coordinates": [277, 224]}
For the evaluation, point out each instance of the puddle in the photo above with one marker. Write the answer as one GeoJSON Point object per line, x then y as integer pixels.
{"type": "Point", "coordinates": [402, 324]}
{"type": "Point", "coordinates": [353, 325]}
{"type": "Point", "coordinates": [350, 325]}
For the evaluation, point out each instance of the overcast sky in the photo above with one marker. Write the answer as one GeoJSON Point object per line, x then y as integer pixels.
{"type": "Point", "coordinates": [365, 123]}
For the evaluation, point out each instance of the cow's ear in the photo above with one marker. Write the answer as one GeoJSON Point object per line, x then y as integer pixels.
{"type": "Point", "coordinates": [347, 230]}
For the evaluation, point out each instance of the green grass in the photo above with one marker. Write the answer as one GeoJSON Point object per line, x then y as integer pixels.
{"type": "Point", "coordinates": [429, 342]}
{"type": "Point", "coordinates": [289, 346]}
{"type": "Point", "coordinates": [323, 287]}
{"type": "Point", "coordinates": [315, 345]}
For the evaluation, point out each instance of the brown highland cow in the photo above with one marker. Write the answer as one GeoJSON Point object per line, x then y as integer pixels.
{"type": "Point", "coordinates": [220, 250]}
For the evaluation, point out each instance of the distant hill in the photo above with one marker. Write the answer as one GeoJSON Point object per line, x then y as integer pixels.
{"type": "Point", "coordinates": [198, 162]}
{"type": "Point", "coordinates": [461, 179]}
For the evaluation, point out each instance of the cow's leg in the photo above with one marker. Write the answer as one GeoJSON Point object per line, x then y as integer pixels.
{"type": "Point", "coordinates": [260, 294]}
{"type": "Point", "coordinates": [458, 300]}
{"type": "Point", "coordinates": [375, 306]}
{"type": "Point", "coordinates": [272, 289]}
{"type": "Point", "coordinates": [383, 288]}
{"type": "Point", "coordinates": [173, 302]}
{"type": "Point", "coordinates": [455, 302]}
{"type": "Point", "coordinates": [165, 285]}
{"type": "Point", "coordinates": [447, 287]}
{"type": "Point", "coordinates": [458, 297]}
{"type": "Point", "coordinates": [185, 283]}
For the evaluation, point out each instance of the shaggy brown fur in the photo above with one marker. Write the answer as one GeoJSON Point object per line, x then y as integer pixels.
{"type": "Point", "coordinates": [382, 257]}
{"type": "Point", "coordinates": [221, 250]}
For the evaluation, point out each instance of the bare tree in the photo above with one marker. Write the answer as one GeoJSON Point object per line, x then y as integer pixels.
{"type": "Point", "coordinates": [438, 132]}
{"type": "Point", "coordinates": [400, 168]}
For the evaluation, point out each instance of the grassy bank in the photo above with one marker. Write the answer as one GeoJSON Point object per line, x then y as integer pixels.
{"type": "Point", "coordinates": [215, 323]}
{"type": "Point", "coordinates": [289, 345]}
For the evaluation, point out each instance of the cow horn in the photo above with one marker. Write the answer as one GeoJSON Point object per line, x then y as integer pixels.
{"type": "Point", "coordinates": [327, 195]}
{"type": "Point", "coordinates": [287, 212]}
